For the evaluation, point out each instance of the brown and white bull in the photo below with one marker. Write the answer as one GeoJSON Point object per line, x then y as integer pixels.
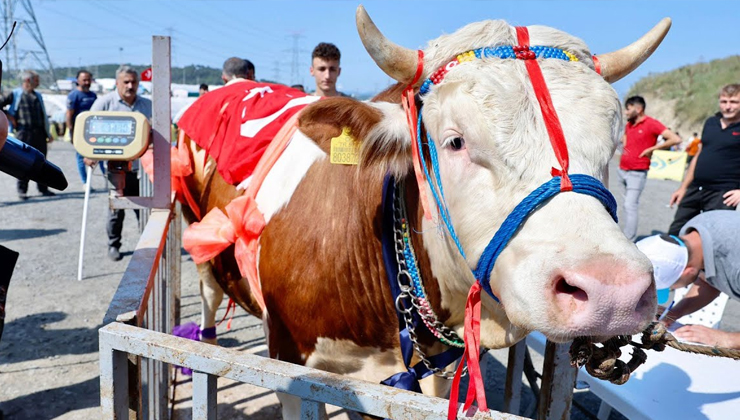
{"type": "Point", "coordinates": [568, 272]}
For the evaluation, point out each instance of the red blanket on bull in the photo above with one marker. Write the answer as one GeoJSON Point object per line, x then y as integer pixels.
{"type": "Point", "coordinates": [236, 123]}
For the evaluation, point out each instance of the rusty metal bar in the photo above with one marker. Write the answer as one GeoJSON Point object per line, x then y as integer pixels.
{"type": "Point", "coordinates": [113, 383]}
{"type": "Point", "coordinates": [513, 386]}
{"type": "Point", "coordinates": [558, 380]}
{"type": "Point", "coordinates": [311, 410]}
{"type": "Point", "coordinates": [131, 298]}
{"type": "Point", "coordinates": [303, 382]}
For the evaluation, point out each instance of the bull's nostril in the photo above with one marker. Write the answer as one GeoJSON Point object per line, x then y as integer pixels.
{"type": "Point", "coordinates": [562, 286]}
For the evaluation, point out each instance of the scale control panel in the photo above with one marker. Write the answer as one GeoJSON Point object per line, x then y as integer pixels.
{"type": "Point", "coordinates": [111, 135]}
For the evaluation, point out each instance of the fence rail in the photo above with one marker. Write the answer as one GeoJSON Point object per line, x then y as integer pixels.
{"type": "Point", "coordinates": [314, 387]}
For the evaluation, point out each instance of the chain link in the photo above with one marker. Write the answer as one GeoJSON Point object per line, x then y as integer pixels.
{"type": "Point", "coordinates": [399, 213]}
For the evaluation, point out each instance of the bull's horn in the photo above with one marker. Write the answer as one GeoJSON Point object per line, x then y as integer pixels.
{"type": "Point", "coordinates": [396, 61]}
{"type": "Point", "coordinates": [615, 65]}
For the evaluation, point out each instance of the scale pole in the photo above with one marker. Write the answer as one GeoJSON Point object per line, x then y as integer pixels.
{"type": "Point", "coordinates": [89, 170]}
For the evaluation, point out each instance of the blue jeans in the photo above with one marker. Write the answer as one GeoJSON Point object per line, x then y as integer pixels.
{"type": "Point", "coordinates": [634, 183]}
{"type": "Point", "coordinates": [83, 171]}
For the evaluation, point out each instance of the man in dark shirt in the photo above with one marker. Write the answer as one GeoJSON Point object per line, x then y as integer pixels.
{"type": "Point", "coordinates": [80, 100]}
{"type": "Point", "coordinates": [28, 117]}
{"type": "Point", "coordinates": [712, 181]}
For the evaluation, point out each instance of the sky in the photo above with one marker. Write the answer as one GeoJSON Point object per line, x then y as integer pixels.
{"type": "Point", "coordinates": [278, 36]}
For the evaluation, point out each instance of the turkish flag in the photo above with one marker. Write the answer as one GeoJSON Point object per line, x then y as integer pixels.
{"type": "Point", "coordinates": [146, 75]}
{"type": "Point", "coordinates": [236, 123]}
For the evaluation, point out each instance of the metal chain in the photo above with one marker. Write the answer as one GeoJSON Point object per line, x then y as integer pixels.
{"type": "Point", "coordinates": [406, 288]}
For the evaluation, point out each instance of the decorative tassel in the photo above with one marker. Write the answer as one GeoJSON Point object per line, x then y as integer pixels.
{"type": "Point", "coordinates": [476, 392]}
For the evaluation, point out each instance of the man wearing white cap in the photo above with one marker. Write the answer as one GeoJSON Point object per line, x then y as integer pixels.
{"type": "Point", "coordinates": [707, 254]}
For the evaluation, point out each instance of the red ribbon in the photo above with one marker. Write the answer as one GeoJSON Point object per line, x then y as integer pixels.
{"type": "Point", "coordinates": [476, 391]}
{"type": "Point", "coordinates": [552, 122]}
{"type": "Point", "coordinates": [409, 105]}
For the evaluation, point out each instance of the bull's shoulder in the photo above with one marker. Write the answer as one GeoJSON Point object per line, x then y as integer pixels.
{"type": "Point", "coordinates": [380, 128]}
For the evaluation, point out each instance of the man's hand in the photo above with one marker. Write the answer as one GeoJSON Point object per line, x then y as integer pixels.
{"type": "Point", "coordinates": [709, 336]}
{"type": "Point", "coordinates": [677, 196]}
{"type": "Point", "coordinates": [648, 153]}
{"type": "Point", "coordinates": [89, 162]}
{"type": "Point", "coordinates": [731, 198]}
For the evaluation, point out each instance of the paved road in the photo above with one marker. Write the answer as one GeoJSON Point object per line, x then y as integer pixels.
{"type": "Point", "coordinates": [48, 353]}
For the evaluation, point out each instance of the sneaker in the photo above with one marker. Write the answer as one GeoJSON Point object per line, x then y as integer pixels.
{"type": "Point", "coordinates": [22, 196]}
{"type": "Point", "coordinates": [47, 193]}
{"type": "Point", "coordinates": [114, 254]}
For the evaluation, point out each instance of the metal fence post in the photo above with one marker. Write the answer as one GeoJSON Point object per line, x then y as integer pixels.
{"type": "Point", "coordinates": [113, 383]}
{"type": "Point", "coordinates": [514, 370]}
{"type": "Point", "coordinates": [558, 380]}
{"type": "Point", "coordinates": [204, 396]}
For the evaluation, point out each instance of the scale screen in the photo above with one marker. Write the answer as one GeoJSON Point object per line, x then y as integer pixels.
{"type": "Point", "coordinates": [102, 126]}
{"type": "Point", "coordinates": [111, 135]}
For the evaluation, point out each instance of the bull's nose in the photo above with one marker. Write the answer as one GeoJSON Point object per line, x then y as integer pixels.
{"type": "Point", "coordinates": [616, 300]}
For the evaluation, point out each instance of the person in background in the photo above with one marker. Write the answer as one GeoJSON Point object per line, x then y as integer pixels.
{"type": "Point", "coordinates": [639, 141]}
{"type": "Point", "coordinates": [325, 69]}
{"type": "Point", "coordinates": [692, 147]}
{"type": "Point", "coordinates": [202, 89]}
{"type": "Point", "coordinates": [124, 180]}
{"type": "Point", "coordinates": [707, 255]}
{"type": "Point", "coordinates": [298, 87]}
{"type": "Point", "coordinates": [79, 100]}
{"type": "Point", "coordinates": [712, 181]}
{"type": "Point", "coordinates": [27, 115]}
{"type": "Point", "coordinates": [237, 70]}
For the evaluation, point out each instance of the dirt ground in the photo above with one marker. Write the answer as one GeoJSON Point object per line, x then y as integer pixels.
{"type": "Point", "coordinates": [48, 351]}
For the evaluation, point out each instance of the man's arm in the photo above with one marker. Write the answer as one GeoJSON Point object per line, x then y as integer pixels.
{"type": "Point", "coordinates": [699, 296]}
{"type": "Point", "coordinates": [677, 195]}
{"type": "Point", "coordinates": [70, 124]}
{"type": "Point", "coordinates": [671, 139]}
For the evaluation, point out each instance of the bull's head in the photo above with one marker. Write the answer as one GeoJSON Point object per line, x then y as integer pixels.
{"type": "Point", "coordinates": [569, 271]}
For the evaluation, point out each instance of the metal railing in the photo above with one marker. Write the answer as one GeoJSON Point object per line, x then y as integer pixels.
{"type": "Point", "coordinates": [148, 297]}
{"type": "Point", "coordinates": [208, 362]}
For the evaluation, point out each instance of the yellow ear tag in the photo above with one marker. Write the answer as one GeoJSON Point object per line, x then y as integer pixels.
{"type": "Point", "coordinates": [344, 149]}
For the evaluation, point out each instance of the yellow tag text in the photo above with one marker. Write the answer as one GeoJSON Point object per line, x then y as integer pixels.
{"type": "Point", "coordinates": [344, 149]}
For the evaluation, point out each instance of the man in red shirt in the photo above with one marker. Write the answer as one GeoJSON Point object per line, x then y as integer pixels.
{"type": "Point", "coordinates": [639, 141]}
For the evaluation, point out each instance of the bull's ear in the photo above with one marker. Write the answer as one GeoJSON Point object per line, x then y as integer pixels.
{"type": "Point", "coordinates": [389, 142]}
{"type": "Point", "coordinates": [615, 65]}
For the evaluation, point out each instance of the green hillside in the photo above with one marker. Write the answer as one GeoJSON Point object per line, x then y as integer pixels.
{"type": "Point", "coordinates": [692, 89]}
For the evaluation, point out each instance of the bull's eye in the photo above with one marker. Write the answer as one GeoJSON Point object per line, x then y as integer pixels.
{"type": "Point", "coordinates": [457, 143]}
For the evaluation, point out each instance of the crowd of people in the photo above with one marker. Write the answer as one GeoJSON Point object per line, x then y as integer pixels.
{"type": "Point", "coordinates": [702, 245]}
{"type": "Point", "coordinates": [30, 123]}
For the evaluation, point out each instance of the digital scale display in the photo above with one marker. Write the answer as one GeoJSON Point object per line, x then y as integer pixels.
{"type": "Point", "coordinates": [111, 135]}
{"type": "Point", "coordinates": [101, 126]}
